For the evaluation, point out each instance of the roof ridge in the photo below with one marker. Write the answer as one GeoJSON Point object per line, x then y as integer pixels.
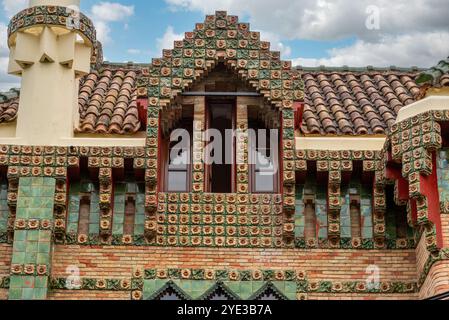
{"type": "Point", "coordinates": [12, 94]}
{"type": "Point", "coordinates": [359, 69]}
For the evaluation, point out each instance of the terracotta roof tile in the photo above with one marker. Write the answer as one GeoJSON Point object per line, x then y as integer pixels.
{"type": "Point", "coordinates": [360, 102]}
{"type": "Point", "coordinates": [9, 105]}
{"type": "Point", "coordinates": [107, 102]}
{"type": "Point", "coordinates": [341, 101]}
{"type": "Point", "coordinates": [438, 76]}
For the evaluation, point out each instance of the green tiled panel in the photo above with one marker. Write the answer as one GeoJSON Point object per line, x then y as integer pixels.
{"type": "Point", "coordinates": [366, 211]}
{"type": "Point", "coordinates": [121, 190]}
{"type": "Point", "coordinates": [299, 212]}
{"type": "Point", "coordinates": [94, 218]}
{"type": "Point", "coordinates": [74, 209]}
{"type": "Point", "coordinates": [321, 211]}
{"type": "Point", "coordinates": [119, 208]}
{"type": "Point", "coordinates": [443, 174]}
{"type": "Point", "coordinates": [139, 221]}
{"type": "Point", "coordinates": [32, 247]}
{"type": "Point", "coordinates": [197, 288]}
{"type": "Point", "coordinates": [390, 220]}
{"type": "Point", "coordinates": [4, 209]}
{"type": "Point", "coordinates": [345, 218]}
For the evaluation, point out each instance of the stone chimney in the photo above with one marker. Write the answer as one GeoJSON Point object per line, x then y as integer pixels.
{"type": "Point", "coordinates": [51, 44]}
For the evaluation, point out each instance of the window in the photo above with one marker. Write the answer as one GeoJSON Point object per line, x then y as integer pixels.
{"type": "Point", "coordinates": [220, 149]}
{"type": "Point", "coordinates": [84, 213]}
{"type": "Point", "coordinates": [263, 158]}
{"type": "Point", "coordinates": [354, 212]}
{"type": "Point", "coordinates": [178, 153]}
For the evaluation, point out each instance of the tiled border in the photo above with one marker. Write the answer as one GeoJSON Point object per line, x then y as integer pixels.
{"type": "Point", "coordinates": [53, 16]}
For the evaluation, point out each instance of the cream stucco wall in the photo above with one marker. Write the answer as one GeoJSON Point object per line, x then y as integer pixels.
{"type": "Point", "coordinates": [62, 3]}
{"type": "Point", "coordinates": [432, 102]}
{"type": "Point", "coordinates": [340, 143]}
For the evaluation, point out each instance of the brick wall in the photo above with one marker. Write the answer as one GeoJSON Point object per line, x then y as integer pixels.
{"type": "Point", "coordinates": [437, 281]}
{"type": "Point", "coordinates": [87, 295]}
{"type": "Point", "coordinates": [325, 265]}
{"type": "Point", "coordinates": [355, 296]}
{"type": "Point", "coordinates": [3, 294]}
{"type": "Point", "coordinates": [422, 255]}
{"type": "Point", "coordinates": [445, 229]}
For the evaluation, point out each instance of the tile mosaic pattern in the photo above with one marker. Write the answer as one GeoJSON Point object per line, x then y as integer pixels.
{"type": "Point", "coordinates": [51, 15]}
{"type": "Point", "coordinates": [443, 175]}
{"type": "Point", "coordinates": [108, 102]}
{"type": "Point", "coordinates": [358, 102]}
{"type": "Point", "coordinates": [30, 265]}
{"type": "Point", "coordinates": [9, 105]}
{"type": "Point", "coordinates": [76, 191]}
{"type": "Point", "coordinates": [221, 36]}
{"type": "Point", "coordinates": [4, 208]}
{"type": "Point", "coordinates": [197, 283]}
{"type": "Point", "coordinates": [121, 191]}
{"type": "Point", "coordinates": [219, 220]}
{"type": "Point", "coordinates": [366, 216]}
{"type": "Point", "coordinates": [413, 142]}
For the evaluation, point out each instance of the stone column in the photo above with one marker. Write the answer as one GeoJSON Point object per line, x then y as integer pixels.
{"type": "Point", "coordinates": [242, 155]}
{"type": "Point", "coordinates": [199, 125]}
{"type": "Point", "coordinates": [50, 59]}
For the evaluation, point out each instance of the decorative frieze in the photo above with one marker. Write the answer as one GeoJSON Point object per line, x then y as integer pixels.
{"type": "Point", "coordinates": [54, 16]}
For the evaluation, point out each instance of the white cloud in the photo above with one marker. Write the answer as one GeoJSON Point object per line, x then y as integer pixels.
{"type": "Point", "coordinates": [12, 7]}
{"type": "Point", "coordinates": [105, 13]}
{"type": "Point", "coordinates": [276, 43]}
{"type": "Point", "coordinates": [411, 32]}
{"type": "Point", "coordinates": [329, 19]}
{"type": "Point", "coordinates": [421, 49]}
{"type": "Point", "coordinates": [111, 11]}
{"type": "Point", "coordinates": [6, 81]}
{"type": "Point", "coordinates": [168, 39]}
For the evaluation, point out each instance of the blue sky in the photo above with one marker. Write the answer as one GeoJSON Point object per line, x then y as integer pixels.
{"type": "Point", "coordinates": [152, 19]}
{"type": "Point", "coordinates": [309, 32]}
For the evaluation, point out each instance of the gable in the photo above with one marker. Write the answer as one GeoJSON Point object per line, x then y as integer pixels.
{"type": "Point", "coordinates": [221, 38]}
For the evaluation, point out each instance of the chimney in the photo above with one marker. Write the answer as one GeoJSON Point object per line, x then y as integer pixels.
{"type": "Point", "coordinates": [50, 57]}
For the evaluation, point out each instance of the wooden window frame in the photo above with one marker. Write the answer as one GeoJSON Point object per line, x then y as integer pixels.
{"type": "Point", "coordinates": [252, 167]}
{"type": "Point", "coordinates": [165, 158]}
{"type": "Point", "coordinates": [208, 167]}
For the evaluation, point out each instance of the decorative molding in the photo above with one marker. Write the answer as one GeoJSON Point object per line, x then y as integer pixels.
{"type": "Point", "coordinates": [359, 287]}
{"type": "Point", "coordinates": [53, 16]}
{"type": "Point", "coordinates": [93, 284]}
{"type": "Point", "coordinates": [442, 255]}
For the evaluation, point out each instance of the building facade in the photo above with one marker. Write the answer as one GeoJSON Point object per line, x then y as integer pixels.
{"type": "Point", "coordinates": [94, 205]}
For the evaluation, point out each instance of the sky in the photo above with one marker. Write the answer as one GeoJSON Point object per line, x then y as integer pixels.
{"type": "Point", "coordinates": [379, 33]}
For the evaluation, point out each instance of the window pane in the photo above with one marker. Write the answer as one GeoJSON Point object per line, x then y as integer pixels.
{"type": "Point", "coordinates": [264, 182]}
{"type": "Point", "coordinates": [179, 159]}
{"type": "Point", "coordinates": [177, 181]}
